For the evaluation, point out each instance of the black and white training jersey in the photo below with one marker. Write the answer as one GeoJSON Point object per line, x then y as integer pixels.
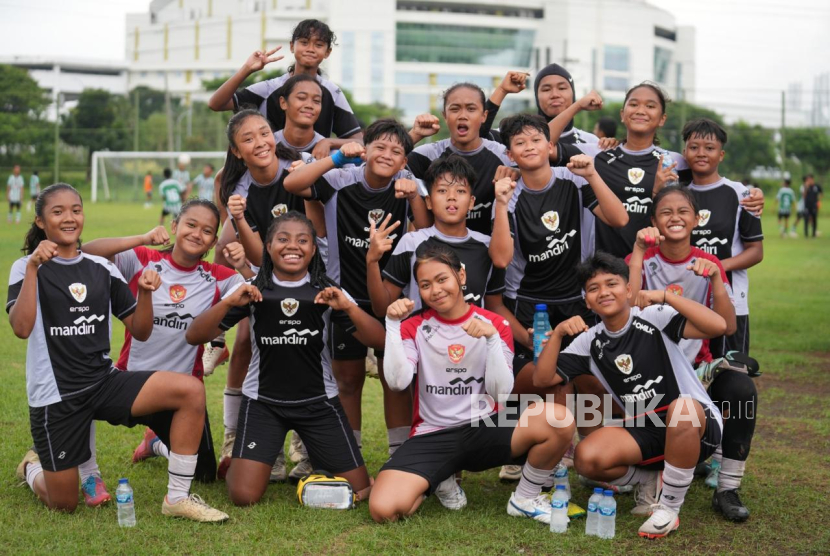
{"type": "Point", "coordinates": [485, 160]}
{"type": "Point", "coordinates": [630, 176]}
{"type": "Point", "coordinates": [548, 226]}
{"type": "Point", "coordinates": [335, 113]}
{"type": "Point", "coordinates": [641, 365]}
{"type": "Point", "coordinates": [291, 358]}
{"type": "Point", "coordinates": [68, 350]}
{"type": "Point", "coordinates": [265, 202]}
{"type": "Point", "coordinates": [724, 227]}
{"type": "Point", "coordinates": [350, 207]}
{"type": "Point", "coordinates": [482, 277]}
{"type": "Point", "coordinates": [570, 136]}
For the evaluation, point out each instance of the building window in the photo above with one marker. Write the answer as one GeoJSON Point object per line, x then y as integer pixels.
{"type": "Point", "coordinates": [667, 34]}
{"type": "Point", "coordinates": [377, 66]}
{"type": "Point", "coordinates": [616, 58]}
{"type": "Point", "coordinates": [412, 104]}
{"type": "Point", "coordinates": [347, 48]}
{"type": "Point", "coordinates": [613, 83]}
{"type": "Point", "coordinates": [662, 59]}
{"type": "Point", "coordinates": [456, 44]}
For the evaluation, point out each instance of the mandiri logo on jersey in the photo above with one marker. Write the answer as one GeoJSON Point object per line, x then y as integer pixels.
{"type": "Point", "coordinates": [704, 215]}
{"type": "Point", "coordinates": [78, 291]}
{"type": "Point", "coordinates": [177, 293]}
{"type": "Point", "coordinates": [624, 363]}
{"type": "Point", "coordinates": [551, 220]}
{"type": "Point", "coordinates": [289, 306]}
{"type": "Point", "coordinates": [456, 353]}
{"type": "Point", "coordinates": [635, 175]}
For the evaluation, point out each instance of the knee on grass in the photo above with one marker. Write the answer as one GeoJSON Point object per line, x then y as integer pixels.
{"type": "Point", "coordinates": [244, 494]}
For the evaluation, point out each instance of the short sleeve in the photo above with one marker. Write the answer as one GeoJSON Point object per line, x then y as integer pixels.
{"type": "Point", "coordinates": [247, 97]}
{"type": "Point", "coordinates": [18, 272]}
{"type": "Point", "coordinates": [398, 269]}
{"type": "Point", "coordinates": [227, 280]}
{"type": "Point", "coordinates": [667, 319]}
{"type": "Point", "coordinates": [589, 198]}
{"type": "Point", "coordinates": [418, 164]}
{"type": "Point", "coordinates": [250, 219]}
{"type": "Point", "coordinates": [345, 123]}
{"type": "Point", "coordinates": [129, 263]}
{"type": "Point", "coordinates": [330, 183]}
{"type": "Point", "coordinates": [496, 283]}
{"type": "Point", "coordinates": [749, 226]}
{"type": "Point", "coordinates": [235, 315]}
{"type": "Point", "coordinates": [122, 299]}
{"type": "Point", "coordinates": [575, 360]}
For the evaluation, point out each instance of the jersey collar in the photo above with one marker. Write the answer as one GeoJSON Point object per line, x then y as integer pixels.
{"type": "Point", "coordinates": [302, 281]}
{"type": "Point", "coordinates": [459, 320]}
{"type": "Point", "coordinates": [672, 261]}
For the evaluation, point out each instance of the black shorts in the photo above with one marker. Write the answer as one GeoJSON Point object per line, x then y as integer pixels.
{"type": "Point", "coordinates": [323, 426]}
{"type": "Point", "coordinates": [557, 312]}
{"type": "Point", "coordinates": [206, 462]}
{"type": "Point", "coordinates": [14, 205]}
{"type": "Point", "coordinates": [739, 341]}
{"type": "Point", "coordinates": [783, 214]}
{"type": "Point", "coordinates": [652, 441]}
{"type": "Point", "coordinates": [166, 212]}
{"type": "Point", "coordinates": [61, 430]}
{"type": "Point", "coordinates": [345, 347]}
{"type": "Point", "coordinates": [437, 455]}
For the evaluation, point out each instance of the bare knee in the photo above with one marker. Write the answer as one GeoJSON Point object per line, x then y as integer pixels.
{"type": "Point", "coordinates": [685, 416]}
{"type": "Point", "coordinates": [60, 504]}
{"type": "Point", "coordinates": [588, 460]}
{"type": "Point", "coordinates": [383, 509]}
{"type": "Point", "coordinates": [244, 494]}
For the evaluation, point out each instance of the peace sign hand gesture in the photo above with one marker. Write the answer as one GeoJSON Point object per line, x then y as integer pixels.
{"type": "Point", "coordinates": [379, 240]}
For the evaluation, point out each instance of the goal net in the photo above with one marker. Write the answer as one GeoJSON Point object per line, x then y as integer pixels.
{"type": "Point", "coordinates": [119, 176]}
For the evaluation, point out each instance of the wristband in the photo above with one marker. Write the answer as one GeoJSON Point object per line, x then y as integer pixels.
{"type": "Point", "coordinates": [339, 159]}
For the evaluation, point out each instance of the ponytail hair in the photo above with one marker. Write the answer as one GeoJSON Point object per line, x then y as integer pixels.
{"type": "Point", "coordinates": [36, 234]}
{"type": "Point", "coordinates": [316, 268]}
{"type": "Point", "coordinates": [234, 167]}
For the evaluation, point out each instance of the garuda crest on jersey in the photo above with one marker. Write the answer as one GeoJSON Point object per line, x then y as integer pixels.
{"type": "Point", "coordinates": [551, 220]}
{"type": "Point", "coordinates": [676, 289]}
{"type": "Point", "coordinates": [635, 175]}
{"type": "Point", "coordinates": [177, 293]}
{"type": "Point", "coordinates": [624, 363]}
{"type": "Point", "coordinates": [279, 210]}
{"type": "Point", "coordinates": [456, 352]}
{"type": "Point", "coordinates": [289, 306]}
{"type": "Point", "coordinates": [376, 215]}
{"type": "Point", "coordinates": [704, 215]}
{"type": "Point", "coordinates": [78, 291]}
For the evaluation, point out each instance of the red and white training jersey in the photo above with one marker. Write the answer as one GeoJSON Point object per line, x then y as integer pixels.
{"type": "Point", "coordinates": [660, 273]}
{"type": "Point", "coordinates": [185, 293]}
{"type": "Point", "coordinates": [450, 368]}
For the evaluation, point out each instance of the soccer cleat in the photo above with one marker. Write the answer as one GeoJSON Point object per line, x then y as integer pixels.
{"type": "Point", "coordinates": [702, 469]}
{"type": "Point", "coordinates": [590, 483]}
{"type": "Point", "coordinates": [663, 521]}
{"type": "Point", "coordinates": [30, 457]}
{"type": "Point", "coordinates": [575, 511]}
{"type": "Point", "coordinates": [450, 494]}
{"type": "Point", "coordinates": [647, 493]}
{"type": "Point", "coordinates": [278, 473]}
{"type": "Point", "coordinates": [145, 449]}
{"type": "Point", "coordinates": [296, 450]}
{"type": "Point", "coordinates": [301, 470]}
{"type": "Point", "coordinates": [372, 365]}
{"type": "Point", "coordinates": [225, 457]}
{"type": "Point", "coordinates": [714, 473]}
{"type": "Point", "coordinates": [535, 508]}
{"type": "Point", "coordinates": [729, 504]}
{"type": "Point", "coordinates": [95, 491]}
{"type": "Point", "coordinates": [194, 509]}
{"type": "Point", "coordinates": [213, 357]}
{"type": "Point", "coordinates": [510, 473]}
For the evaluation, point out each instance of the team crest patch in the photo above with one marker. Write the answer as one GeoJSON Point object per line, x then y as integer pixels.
{"type": "Point", "coordinates": [704, 215]}
{"type": "Point", "coordinates": [551, 220]}
{"type": "Point", "coordinates": [624, 363]}
{"type": "Point", "coordinates": [177, 293]}
{"type": "Point", "coordinates": [635, 175]}
{"type": "Point", "coordinates": [456, 353]}
{"type": "Point", "coordinates": [376, 215]}
{"type": "Point", "coordinates": [676, 289]}
{"type": "Point", "coordinates": [279, 210]}
{"type": "Point", "coordinates": [289, 306]}
{"type": "Point", "coordinates": [78, 291]}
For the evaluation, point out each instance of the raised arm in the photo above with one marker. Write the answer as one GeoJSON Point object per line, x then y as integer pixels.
{"type": "Point", "coordinates": [501, 242]}
{"type": "Point", "coordinates": [398, 370]}
{"type": "Point", "coordinates": [205, 326]}
{"type": "Point", "coordinates": [609, 208]}
{"type": "Point", "coordinates": [425, 125]}
{"type": "Point", "coordinates": [591, 101]}
{"type": "Point", "coordinates": [545, 374]}
{"type": "Point", "coordinates": [222, 99]}
{"type": "Point", "coordinates": [23, 313]}
{"type": "Point", "coordinates": [302, 178]}
{"type": "Point", "coordinates": [140, 323]}
{"type": "Point", "coordinates": [513, 82]}
{"type": "Point", "coordinates": [701, 322]}
{"type": "Point", "coordinates": [381, 292]}
{"type": "Point", "coordinates": [498, 377]}
{"type": "Point", "coordinates": [250, 240]}
{"type": "Point", "coordinates": [721, 303]}
{"type": "Point", "coordinates": [647, 237]}
{"type": "Point", "coordinates": [368, 330]}
{"type": "Point", "coordinates": [109, 247]}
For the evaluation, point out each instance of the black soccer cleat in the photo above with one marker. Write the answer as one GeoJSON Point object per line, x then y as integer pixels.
{"type": "Point", "coordinates": [729, 504]}
{"type": "Point", "coordinates": [749, 364]}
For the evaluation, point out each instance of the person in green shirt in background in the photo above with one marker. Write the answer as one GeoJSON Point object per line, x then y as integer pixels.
{"type": "Point", "coordinates": [14, 192]}
{"type": "Point", "coordinates": [786, 200]}
{"type": "Point", "coordinates": [172, 195]}
{"type": "Point", "coordinates": [34, 190]}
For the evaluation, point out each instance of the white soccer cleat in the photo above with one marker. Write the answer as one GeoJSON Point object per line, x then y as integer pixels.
{"type": "Point", "coordinates": [296, 450]}
{"type": "Point", "coordinates": [450, 494]}
{"type": "Point", "coordinates": [30, 457]}
{"type": "Point", "coordinates": [278, 472]}
{"type": "Point", "coordinates": [213, 357]}
{"type": "Point", "coordinates": [534, 508]}
{"type": "Point", "coordinates": [225, 457]}
{"type": "Point", "coordinates": [663, 521]}
{"type": "Point", "coordinates": [647, 493]}
{"type": "Point", "coordinates": [301, 470]}
{"type": "Point", "coordinates": [194, 509]}
{"type": "Point", "coordinates": [509, 473]}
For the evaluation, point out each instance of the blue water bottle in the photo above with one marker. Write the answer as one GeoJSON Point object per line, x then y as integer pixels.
{"type": "Point", "coordinates": [541, 325]}
{"type": "Point", "coordinates": [667, 162]}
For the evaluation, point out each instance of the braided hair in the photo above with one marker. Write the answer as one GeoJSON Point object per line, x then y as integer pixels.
{"type": "Point", "coordinates": [316, 268]}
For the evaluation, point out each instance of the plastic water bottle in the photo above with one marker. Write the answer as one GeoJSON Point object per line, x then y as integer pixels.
{"type": "Point", "coordinates": [606, 524]}
{"type": "Point", "coordinates": [541, 325]}
{"type": "Point", "coordinates": [559, 510]}
{"type": "Point", "coordinates": [560, 477]}
{"type": "Point", "coordinates": [667, 162]}
{"type": "Point", "coordinates": [593, 513]}
{"type": "Point", "coordinates": [124, 501]}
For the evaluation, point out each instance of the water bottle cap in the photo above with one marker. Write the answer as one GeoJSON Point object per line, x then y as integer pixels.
{"type": "Point", "coordinates": [541, 307]}
{"type": "Point", "coordinates": [123, 481]}
{"type": "Point", "coordinates": [608, 493]}
{"type": "Point", "coordinates": [561, 487]}
{"type": "Point", "coordinates": [598, 490]}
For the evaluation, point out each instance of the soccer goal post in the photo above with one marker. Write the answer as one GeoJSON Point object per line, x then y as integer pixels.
{"type": "Point", "coordinates": [121, 173]}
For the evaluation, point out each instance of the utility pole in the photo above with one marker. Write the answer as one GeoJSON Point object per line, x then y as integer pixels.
{"type": "Point", "coordinates": [783, 130]}
{"type": "Point", "coordinates": [135, 138]}
{"type": "Point", "coordinates": [58, 102]}
{"type": "Point", "coordinates": [169, 110]}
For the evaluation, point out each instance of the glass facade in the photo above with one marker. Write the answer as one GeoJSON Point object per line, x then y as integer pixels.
{"type": "Point", "coordinates": [616, 58]}
{"type": "Point", "coordinates": [347, 47]}
{"type": "Point", "coordinates": [662, 60]}
{"type": "Point", "coordinates": [614, 83]}
{"type": "Point", "coordinates": [456, 44]}
{"type": "Point", "coordinates": [377, 66]}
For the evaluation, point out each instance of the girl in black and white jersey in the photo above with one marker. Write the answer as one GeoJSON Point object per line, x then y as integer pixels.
{"type": "Point", "coordinates": [61, 300]}
{"type": "Point", "coordinates": [290, 385]}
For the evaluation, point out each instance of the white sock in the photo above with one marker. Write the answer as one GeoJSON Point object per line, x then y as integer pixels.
{"type": "Point", "coordinates": [633, 476]}
{"type": "Point", "coordinates": [530, 485]}
{"type": "Point", "coordinates": [160, 449]}
{"type": "Point", "coordinates": [676, 482]}
{"type": "Point", "coordinates": [232, 401]}
{"type": "Point", "coordinates": [218, 341]}
{"type": "Point", "coordinates": [90, 466]}
{"type": "Point", "coordinates": [180, 472]}
{"type": "Point", "coordinates": [731, 473]}
{"type": "Point", "coordinates": [32, 471]}
{"type": "Point", "coordinates": [718, 455]}
{"type": "Point", "coordinates": [397, 436]}
{"type": "Point", "coordinates": [358, 437]}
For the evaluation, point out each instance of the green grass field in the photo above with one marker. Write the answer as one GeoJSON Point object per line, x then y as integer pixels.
{"type": "Point", "coordinates": [788, 471]}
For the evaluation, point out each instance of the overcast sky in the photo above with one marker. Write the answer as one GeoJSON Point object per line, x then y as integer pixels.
{"type": "Point", "coordinates": [747, 50]}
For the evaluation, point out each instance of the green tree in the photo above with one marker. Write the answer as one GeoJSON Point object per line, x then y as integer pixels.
{"type": "Point", "coordinates": [368, 113]}
{"type": "Point", "coordinates": [213, 84]}
{"type": "Point", "coordinates": [811, 146]}
{"type": "Point", "coordinates": [100, 121]}
{"type": "Point", "coordinates": [24, 131]}
{"type": "Point", "coordinates": [748, 146]}
{"type": "Point", "coordinates": [151, 101]}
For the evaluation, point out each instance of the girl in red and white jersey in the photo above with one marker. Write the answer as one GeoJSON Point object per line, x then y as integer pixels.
{"type": "Point", "coordinates": [460, 358]}
{"type": "Point", "coordinates": [190, 286]}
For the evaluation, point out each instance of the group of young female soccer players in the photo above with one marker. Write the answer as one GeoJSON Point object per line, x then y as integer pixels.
{"type": "Point", "coordinates": [434, 256]}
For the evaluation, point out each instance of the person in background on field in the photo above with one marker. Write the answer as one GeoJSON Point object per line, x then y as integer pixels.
{"type": "Point", "coordinates": [148, 189]}
{"type": "Point", "coordinates": [605, 127]}
{"type": "Point", "coordinates": [172, 194]}
{"type": "Point", "coordinates": [182, 175]}
{"type": "Point", "coordinates": [786, 199]}
{"type": "Point", "coordinates": [34, 190]}
{"type": "Point", "coordinates": [204, 183]}
{"type": "Point", "coordinates": [812, 198]}
{"type": "Point", "coordinates": [14, 192]}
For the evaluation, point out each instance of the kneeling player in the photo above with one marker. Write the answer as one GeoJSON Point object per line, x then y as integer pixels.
{"type": "Point", "coordinates": [634, 352]}
{"type": "Point", "coordinates": [460, 353]}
